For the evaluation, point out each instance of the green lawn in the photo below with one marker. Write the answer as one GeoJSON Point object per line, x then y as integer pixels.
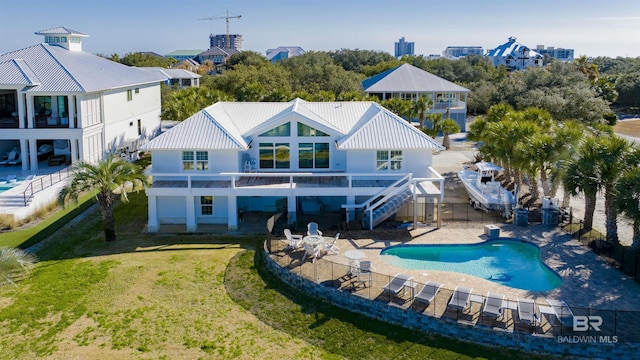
{"type": "Point", "coordinates": [184, 297]}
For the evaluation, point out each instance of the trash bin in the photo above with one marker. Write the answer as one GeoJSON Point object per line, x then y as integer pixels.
{"type": "Point", "coordinates": [521, 217]}
{"type": "Point", "coordinates": [550, 217]}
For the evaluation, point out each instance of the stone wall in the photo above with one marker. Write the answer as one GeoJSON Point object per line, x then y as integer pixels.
{"type": "Point", "coordinates": [479, 334]}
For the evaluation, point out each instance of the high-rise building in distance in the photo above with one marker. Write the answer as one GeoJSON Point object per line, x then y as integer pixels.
{"type": "Point", "coordinates": [403, 47]}
{"type": "Point", "coordinates": [220, 40]}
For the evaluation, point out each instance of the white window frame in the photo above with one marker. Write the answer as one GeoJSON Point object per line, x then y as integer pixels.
{"type": "Point", "coordinates": [206, 205]}
{"type": "Point", "coordinates": [197, 161]}
{"type": "Point", "coordinates": [391, 160]}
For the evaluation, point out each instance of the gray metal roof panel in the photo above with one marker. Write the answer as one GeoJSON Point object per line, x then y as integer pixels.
{"type": "Point", "coordinates": [60, 30]}
{"type": "Point", "coordinates": [200, 132]}
{"type": "Point", "coordinates": [61, 70]}
{"type": "Point", "coordinates": [385, 130]}
{"type": "Point", "coordinates": [409, 79]}
{"type": "Point", "coordinates": [230, 125]}
{"type": "Point", "coordinates": [17, 72]}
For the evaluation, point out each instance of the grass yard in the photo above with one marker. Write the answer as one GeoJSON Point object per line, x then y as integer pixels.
{"type": "Point", "coordinates": [167, 297]}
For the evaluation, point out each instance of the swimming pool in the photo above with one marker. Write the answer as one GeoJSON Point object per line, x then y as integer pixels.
{"type": "Point", "coordinates": [505, 261]}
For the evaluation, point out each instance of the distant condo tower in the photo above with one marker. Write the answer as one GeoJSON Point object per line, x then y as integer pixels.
{"type": "Point", "coordinates": [403, 48]}
{"type": "Point", "coordinates": [220, 40]}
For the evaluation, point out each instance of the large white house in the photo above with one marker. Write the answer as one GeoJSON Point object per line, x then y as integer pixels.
{"type": "Point", "coordinates": [299, 157]}
{"type": "Point", "coordinates": [57, 100]}
{"type": "Point", "coordinates": [514, 56]}
{"type": "Point", "coordinates": [409, 82]}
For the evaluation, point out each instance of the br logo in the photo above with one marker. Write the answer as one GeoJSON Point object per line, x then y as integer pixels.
{"type": "Point", "coordinates": [583, 323]}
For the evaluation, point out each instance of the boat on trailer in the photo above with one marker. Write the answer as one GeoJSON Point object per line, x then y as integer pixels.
{"type": "Point", "coordinates": [485, 193]}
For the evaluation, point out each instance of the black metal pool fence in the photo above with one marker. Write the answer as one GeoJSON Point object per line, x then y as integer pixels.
{"type": "Point", "coordinates": [570, 323]}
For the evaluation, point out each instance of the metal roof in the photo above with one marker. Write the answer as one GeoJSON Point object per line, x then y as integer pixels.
{"type": "Point", "coordinates": [231, 125]}
{"type": "Point", "coordinates": [184, 53]}
{"type": "Point", "coordinates": [511, 48]}
{"type": "Point", "coordinates": [407, 78]}
{"type": "Point", "coordinates": [61, 30]}
{"type": "Point", "coordinates": [17, 72]}
{"type": "Point", "coordinates": [171, 73]}
{"type": "Point", "coordinates": [61, 70]}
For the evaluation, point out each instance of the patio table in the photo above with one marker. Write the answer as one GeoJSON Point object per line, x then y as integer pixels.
{"type": "Point", "coordinates": [354, 257]}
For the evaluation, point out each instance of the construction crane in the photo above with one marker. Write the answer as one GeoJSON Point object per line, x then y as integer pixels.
{"type": "Point", "coordinates": [227, 17]}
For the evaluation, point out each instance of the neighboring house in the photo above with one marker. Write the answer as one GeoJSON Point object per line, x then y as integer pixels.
{"type": "Point", "coordinates": [183, 54]}
{"type": "Point", "coordinates": [409, 82]}
{"type": "Point", "coordinates": [283, 53]}
{"type": "Point", "coordinates": [299, 157]}
{"type": "Point", "coordinates": [216, 55]}
{"type": "Point", "coordinates": [83, 105]}
{"type": "Point", "coordinates": [176, 77]}
{"type": "Point", "coordinates": [187, 64]}
{"type": "Point", "coordinates": [514, 56]}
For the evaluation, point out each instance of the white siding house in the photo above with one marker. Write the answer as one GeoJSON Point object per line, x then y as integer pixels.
{"type": "Point", "coordinates": [54, 95]}
{"type": "Point", "coordinates": [409, 82]}
{"type": "Point", "coordinates": [297, 157]}
{"type": "Point", "coordinates": [514, 56]}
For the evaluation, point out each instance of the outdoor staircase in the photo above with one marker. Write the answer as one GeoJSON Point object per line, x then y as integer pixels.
{"type": "Point", "coordinates": [17, 200]}
{"type": "Point", "coordinates": [386, 203]}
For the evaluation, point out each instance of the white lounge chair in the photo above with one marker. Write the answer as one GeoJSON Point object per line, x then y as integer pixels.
{"type": "Point", "coordinates": [527, 312]}
{"type": "Point", "coordinates": [11, 178]}
{"type": "Point", "coordinates": [428, 292]}
{"type": "Point", "coordinates": [294, 240]}
{"type": "Point", "coordinates": [562, 311]}
{"type": "Point", "coordinates": [399, 283]}
{"type": "Point", "coordinates": [460, 299]}
{"type": "Point", "coordinates": [331, 247]}
{"type": "Point", "coordinates": [494, 305]}
{"type": "Point", "coordinates": [311, 252]}
{"type": "Point", "coordinates": [312, 229]}
{"type": "Point", "coordinates": [12, 155]}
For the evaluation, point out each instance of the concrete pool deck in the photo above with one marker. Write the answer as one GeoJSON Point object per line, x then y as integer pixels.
{"type": "Point", "coordinates": [587, 281]}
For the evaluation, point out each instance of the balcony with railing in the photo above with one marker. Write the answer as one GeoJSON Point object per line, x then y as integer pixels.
{"type": "Point", "coordinates": [51, 121]}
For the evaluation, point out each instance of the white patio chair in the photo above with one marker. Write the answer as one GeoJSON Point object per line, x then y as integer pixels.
{"type": "Point", "coordinates": [294, 240]}
{"type": "Point", "coordinates": [364, 273]}
{"type": "Point", "coordinates": [312, 229]}
{"type": "Point", "coordinates": [331, 247]}
{"type": "Point", "coordinates": [310, 251]}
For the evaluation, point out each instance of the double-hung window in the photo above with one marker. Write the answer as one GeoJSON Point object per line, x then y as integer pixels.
{"type": "Point", "coordinates": [388, 160]}
{"type": "Point", "coordinates": [195, 160]}
{"type": "Point", "coordinates": [206, 205]}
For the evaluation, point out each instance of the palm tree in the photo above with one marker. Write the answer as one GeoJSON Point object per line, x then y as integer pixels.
{"type": "Point", "coordinates": [399, 107]}
{"type": "Point", "coordinates": [615, 158]}
{"type": "Point", "coordinates": [108, 177]}
{"type": "Point", "coordinates": [14, 264]}
{"type": "Point", "coordinates": [447, 127]}
{"type": "Point", "coordinates": [628, 200]}
{"type": "Point", "coordinates": [419, 108]}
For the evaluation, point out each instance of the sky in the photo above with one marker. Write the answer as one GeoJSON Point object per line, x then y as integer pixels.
{"type": "Point", "coordinates": [590, 27]}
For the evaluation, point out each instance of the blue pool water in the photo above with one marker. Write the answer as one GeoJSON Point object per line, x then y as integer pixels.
{"type": "Point", "coordinates": [505, 261]}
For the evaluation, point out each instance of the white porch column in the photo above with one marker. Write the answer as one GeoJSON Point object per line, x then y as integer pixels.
{"type": "Point", "coordinates": [439, 218]}
{"type": "Point", "coordinates": [72, 111]}
{"type": "Point", "coordinates": [24, 154]}
{"type": "Point", "coordinates": [191, 213]}
{"type": "Point", "coordinates": [291, 209]}
{"type": "Point", "coordinates": [73, 143]}
{"type": "Point", "coordinates": [22, 112]}
{"type": "Point", "coordinates": [232, 213]}
{"type": "Point", "coordinates": [351, 200]}
{"type": "Point", "coordinates": [152, 225]}
{"type": "Point", "coordinates": [33, 154]}
{"type": "Point", "coordinates": [30, 112]}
